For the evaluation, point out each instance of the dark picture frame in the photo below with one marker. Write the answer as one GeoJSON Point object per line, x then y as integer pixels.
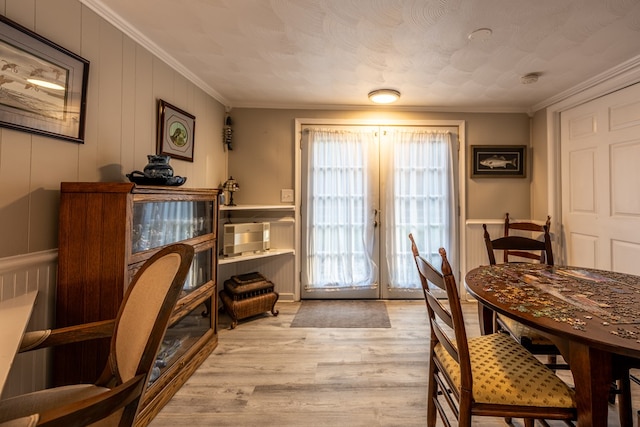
{"type": "Point", "coordinates": [176, 132]}
{"type": "Point", "coordinates": [43, 86]}
{"type": "Point", "coordinates": [494, 161]}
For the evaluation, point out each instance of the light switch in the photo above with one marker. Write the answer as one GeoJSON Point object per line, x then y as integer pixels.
{"type": "Point", "coordinates": [286, 195]}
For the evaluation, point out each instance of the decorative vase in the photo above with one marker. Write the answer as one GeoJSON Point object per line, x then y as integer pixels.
{"type": "Point", "coordinates": [158, 166]}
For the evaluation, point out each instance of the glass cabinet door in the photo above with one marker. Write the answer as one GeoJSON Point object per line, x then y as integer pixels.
{"type": "Point", "coordinates": [200, 271]}
{"type": "Point", "coordinates": [179, 338]}
{"type": "Point", "coordinates": [157, 224]}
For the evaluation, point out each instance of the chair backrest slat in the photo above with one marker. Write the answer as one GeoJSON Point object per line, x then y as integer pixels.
{"type": "Point", "coordinates": [440, 311]}
{"type": "Point", "coordinates": [524, 225]}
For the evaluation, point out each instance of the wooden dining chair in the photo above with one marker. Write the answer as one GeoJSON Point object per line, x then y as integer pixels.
{"type": "Point", "coordinates": [136, 335]}
{"type": "Point", "coordinates": [532, 250]}
{"type": "Point", "coordinates": [490, 375]}
{"type": "Point", "coordinates": [522, 248]}
{"type": "Point", "coordinates": [527, 227]}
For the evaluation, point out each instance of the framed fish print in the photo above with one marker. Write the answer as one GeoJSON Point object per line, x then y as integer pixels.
{"type": "Point", "coordinates": [43, 86]}
{"type": "Point", "coordinates": [498, 161]}
{"type": "Point", "coordinates": [176, 131]}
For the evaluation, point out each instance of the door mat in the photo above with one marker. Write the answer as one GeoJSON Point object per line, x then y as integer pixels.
{"type": "Point", "coordinates": [341, 314]}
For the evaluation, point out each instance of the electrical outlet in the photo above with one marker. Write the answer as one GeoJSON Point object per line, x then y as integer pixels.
{"type": "Point", "coordinates": [286, 195]}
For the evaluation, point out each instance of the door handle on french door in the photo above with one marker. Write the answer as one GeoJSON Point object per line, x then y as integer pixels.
{"type": "Point", "coordinates": [375, 218]}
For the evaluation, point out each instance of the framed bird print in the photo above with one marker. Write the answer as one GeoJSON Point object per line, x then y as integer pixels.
{"type": "Point", "coordinates": [176, 131]}
{"type": "Point", "coordinates": [43, 86]}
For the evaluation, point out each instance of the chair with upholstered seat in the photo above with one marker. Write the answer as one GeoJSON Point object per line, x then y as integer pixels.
{"type": "Point", "coordinates": [490, 375]}
{"type": "Point", "coordinates": [136, 335]}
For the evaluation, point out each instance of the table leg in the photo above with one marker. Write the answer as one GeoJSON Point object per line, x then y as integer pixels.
{"type": "Point", "coordinates": [592, 373]}
{"type": "Point", "coordinates": [485, 319]}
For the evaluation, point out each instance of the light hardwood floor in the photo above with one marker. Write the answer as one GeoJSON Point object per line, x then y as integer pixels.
{"type": "Point", "coordinates": [264, 373]}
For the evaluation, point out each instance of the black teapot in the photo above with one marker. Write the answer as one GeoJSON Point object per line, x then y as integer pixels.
{"type": "Point", "coordinates": [157, 172]}
{"type": "Point", "coordinates": [158, 166]}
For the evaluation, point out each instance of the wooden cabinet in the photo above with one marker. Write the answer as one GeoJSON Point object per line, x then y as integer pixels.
{"type": "Point", "coordinates": [106, 232]}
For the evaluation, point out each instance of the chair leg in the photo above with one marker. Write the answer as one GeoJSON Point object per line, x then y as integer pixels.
{"type": "Point", "coordinates": [529, 422]}
{"type": "Point", "coordinates": [624, 401]}
{"type": "Point", "coordinates": [432, 395]}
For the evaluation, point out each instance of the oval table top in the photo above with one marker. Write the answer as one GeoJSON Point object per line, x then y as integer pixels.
{"type": "Point", "coordinates": [596, 307]}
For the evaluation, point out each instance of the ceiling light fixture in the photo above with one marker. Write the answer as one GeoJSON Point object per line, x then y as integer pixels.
{"type": "Point", "coordinates": [384, 96]}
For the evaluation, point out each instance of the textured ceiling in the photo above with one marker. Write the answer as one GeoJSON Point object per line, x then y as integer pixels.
{"type": "Point", "coordinates": [331, 53]}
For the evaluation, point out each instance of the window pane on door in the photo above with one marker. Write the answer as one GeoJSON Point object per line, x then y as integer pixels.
{"type": "Point", "coordinates": [339, 240]}
{"type": "Point", "coordinates": [420, 189]}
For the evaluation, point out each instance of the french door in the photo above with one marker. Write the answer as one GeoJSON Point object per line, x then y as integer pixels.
{"type": "Point", "coordinates": [364, 189]}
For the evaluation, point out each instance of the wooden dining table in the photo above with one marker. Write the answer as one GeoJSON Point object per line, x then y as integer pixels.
{"type": "Point", "coordinates": [593, 316]}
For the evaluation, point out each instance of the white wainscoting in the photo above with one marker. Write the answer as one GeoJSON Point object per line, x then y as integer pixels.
{"type": "Point", "coordinates": [20, 275]}
{"type": "Point", "coordinates": [476, 251]}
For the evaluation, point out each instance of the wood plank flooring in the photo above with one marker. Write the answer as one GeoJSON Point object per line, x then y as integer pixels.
{"type": "Point", "coordinates": [264, 373]}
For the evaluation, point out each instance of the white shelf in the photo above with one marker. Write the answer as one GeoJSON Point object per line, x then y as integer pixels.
{"type": "Point", "coordinates": [279, 263]}
{"type": "Point", "coordinates": [256, 255]}
{"type": "Point", "coordinates": [258, 208]}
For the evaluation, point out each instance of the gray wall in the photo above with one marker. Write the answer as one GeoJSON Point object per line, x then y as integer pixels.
{"type": "Point", "coordinates": [125, 81]}
{"type": "Point", "coordinates": [539, 182]}
{"type": "Point", "coordinates": [263, 156]}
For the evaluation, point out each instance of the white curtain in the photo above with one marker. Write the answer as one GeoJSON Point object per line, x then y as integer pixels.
{"type": "Point", "coordinates": [340, 233]}
{"type": "Point", "coordinates": [420, 183]}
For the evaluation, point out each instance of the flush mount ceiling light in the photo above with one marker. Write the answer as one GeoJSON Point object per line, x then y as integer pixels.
{"type": "Point", "coordinates": [384, 96]}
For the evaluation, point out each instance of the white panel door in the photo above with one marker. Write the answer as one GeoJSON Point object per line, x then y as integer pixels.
{"type": "Point", "coordinates": [600, 155]}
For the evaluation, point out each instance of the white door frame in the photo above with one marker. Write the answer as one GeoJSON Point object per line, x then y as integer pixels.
{"type": "Point", "coordinates": [615, 79]}
{"type": "Point", "coordinates": [462, 177]}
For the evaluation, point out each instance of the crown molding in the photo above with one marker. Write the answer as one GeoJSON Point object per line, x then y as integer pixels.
{"type": "Point", "coordinates": [615, 78]}
{"type": "Point", "coordinates": [117, 21]}
{"type": "Point", "coordinates": [385, 108]}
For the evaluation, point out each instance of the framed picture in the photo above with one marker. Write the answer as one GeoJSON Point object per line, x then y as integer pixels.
{"type": "Point", "coordinates": [42, 86]}
{"type": "Point", "coordinates": [176, 131]}
{"type": "Point", "coordinates": [508, 161]}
